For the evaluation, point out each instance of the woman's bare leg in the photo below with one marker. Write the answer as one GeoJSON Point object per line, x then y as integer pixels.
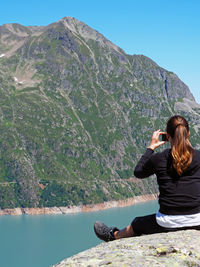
{"type": "Point", "coordinates": [126, 232]}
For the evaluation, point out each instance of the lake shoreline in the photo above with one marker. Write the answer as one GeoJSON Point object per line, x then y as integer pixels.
{"type": "Point", "coordinates": [77, 209]}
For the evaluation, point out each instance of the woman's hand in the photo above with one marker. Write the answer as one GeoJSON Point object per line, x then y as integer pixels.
{"type": "Point", "coordinates": [155, 142]}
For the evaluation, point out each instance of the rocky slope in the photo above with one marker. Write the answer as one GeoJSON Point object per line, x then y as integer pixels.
{"type": "Point", "coordinates": [166, 249]}
{"type": "Point", "coordinates": [76, 112]}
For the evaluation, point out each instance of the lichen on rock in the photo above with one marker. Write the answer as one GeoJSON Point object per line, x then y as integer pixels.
{"type": "Point", "coordinates": [179, 248]}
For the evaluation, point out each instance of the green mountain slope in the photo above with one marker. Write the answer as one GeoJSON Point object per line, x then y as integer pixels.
{"type": "Point", "coordinates": [76, 112]}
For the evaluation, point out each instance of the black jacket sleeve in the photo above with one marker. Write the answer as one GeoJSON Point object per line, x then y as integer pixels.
{"type": "Point", "coordinates": [144, 167]}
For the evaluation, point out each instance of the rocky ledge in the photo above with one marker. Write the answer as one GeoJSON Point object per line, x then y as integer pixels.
{"type": "Point", "coordinates": [180, 248]}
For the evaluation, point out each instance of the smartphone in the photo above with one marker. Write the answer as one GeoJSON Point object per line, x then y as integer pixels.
{"type": "Point", "coordinates": [164, 137]}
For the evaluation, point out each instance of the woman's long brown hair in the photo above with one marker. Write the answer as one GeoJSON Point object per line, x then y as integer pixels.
{"type": "Point", "coordinates": [182, 151]}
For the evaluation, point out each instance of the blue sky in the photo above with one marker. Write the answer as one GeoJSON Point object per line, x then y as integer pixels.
{"type": "Point", "coordinates": [167, 31]}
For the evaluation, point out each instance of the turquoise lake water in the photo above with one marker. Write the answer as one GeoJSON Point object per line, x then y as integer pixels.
{"type": "Point", "coordinates": [44, 240]}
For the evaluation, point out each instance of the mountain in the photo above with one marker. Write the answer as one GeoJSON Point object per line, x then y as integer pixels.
{"type": "Point", "coordinates": [76, 113]}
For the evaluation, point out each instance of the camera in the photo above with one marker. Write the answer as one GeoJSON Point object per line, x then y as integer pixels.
{"type": "Point", "coordinates": [164, 137]}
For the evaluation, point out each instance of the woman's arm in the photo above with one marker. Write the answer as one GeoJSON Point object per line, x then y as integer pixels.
{"type": "Point", "coordinates": [145, 167]}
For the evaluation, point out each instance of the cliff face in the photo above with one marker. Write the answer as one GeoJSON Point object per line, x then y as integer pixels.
{"type": "Point", "coordinates": [76, 112]}
{"type": "Point", "coordinates": [167, 249]}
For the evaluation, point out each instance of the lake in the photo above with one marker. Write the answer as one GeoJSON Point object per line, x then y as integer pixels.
{"type": "Point", "coordinates": [44, 240]}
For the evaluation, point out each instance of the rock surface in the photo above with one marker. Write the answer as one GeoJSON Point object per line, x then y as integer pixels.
{"type": "Point", "coordinates": [180, 248]}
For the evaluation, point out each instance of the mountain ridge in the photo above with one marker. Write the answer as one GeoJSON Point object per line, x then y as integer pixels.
{"type": "Point", "coordinates": [72, 110]}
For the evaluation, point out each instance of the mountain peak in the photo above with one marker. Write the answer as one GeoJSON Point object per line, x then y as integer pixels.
{"type": "Point", "coordinates": [82, 29]}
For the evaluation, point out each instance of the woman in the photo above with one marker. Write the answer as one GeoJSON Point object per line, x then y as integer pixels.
{"type": "Point", "coordinates": [178, 176]}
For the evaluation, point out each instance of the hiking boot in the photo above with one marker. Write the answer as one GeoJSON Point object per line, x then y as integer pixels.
{"type": "Point", "coordinates": [104, 232]}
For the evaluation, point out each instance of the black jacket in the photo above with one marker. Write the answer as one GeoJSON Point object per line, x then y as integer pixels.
{"type": "Point", "coordinates": [179, 195]}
